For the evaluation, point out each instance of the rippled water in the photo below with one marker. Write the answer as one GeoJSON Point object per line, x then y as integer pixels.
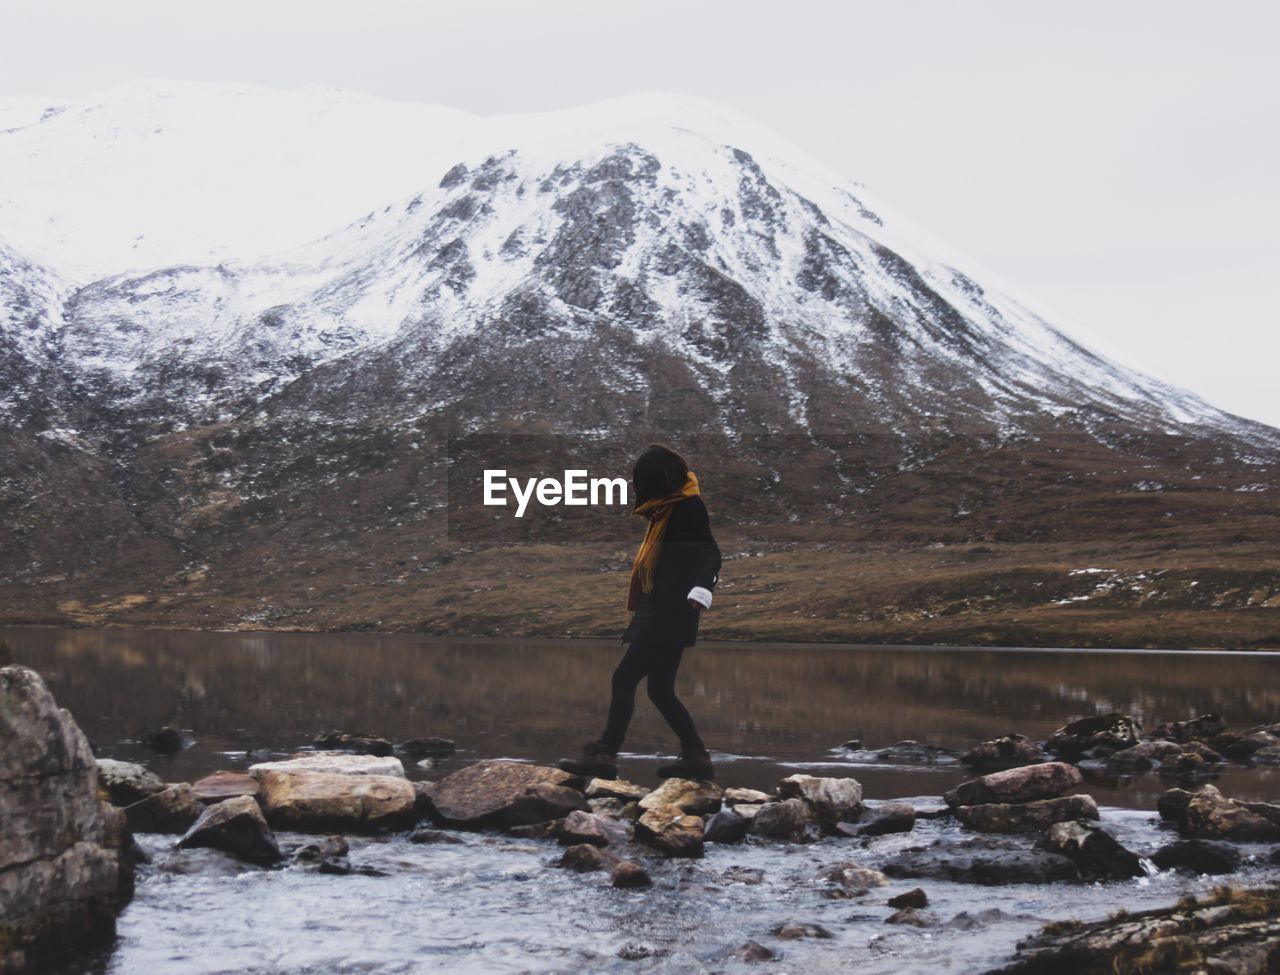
{"type": "Point", "coordinates": [493, 904]}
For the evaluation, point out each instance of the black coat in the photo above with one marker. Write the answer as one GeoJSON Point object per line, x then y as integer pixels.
{"type": "Point", "coordinates": [689, 557]}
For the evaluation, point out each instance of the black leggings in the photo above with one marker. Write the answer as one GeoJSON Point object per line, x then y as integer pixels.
{"type": "Point", "coordinates": [658, 662]}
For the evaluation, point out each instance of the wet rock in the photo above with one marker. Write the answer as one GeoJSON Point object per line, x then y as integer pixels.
{"type": "Point", "coordinates": [1026, 817]}
{"type": "Point", "coordinates": [167, 741]}
{"type": "Point", "coordinates": [743, 875]}
{"type": "Point", "coordinates": [334, 763]}
{"type": "Point", "coordinates": [64, 868]}
{"type": "Point", "coordinates": [853, 745]}
{"type": "Point", "coordinates": [1211, 815]}
{"type": "Point", "coordinates": [1232, 932]}
{"type": "Point", "coordinates": [585, 827]}
{"type": "Point", "coordinates": [888, 817]}
{"type": "Point", "coordinates": [671, 831]}
{"type": "Point", "coordinates": [918, 753]}
{"type": "Point", "coordinates": [1245, 746]}
{"type": "Point", "coordinates": [828, 800]}
{"type": "Point", "coordinates": [782, 820]}
{"type": "Point", "coordinates": [726, 826]}
{"type": "Point", "coordinates": [1095, 851]}
{"type": "Point", "coordinates": [912, 917]}
{"type": "Point", "coordinates": [985, 860]}
{"type": "Point", "coordinates": [1270, 755]}
{"type": "Point", "coordinates": [501, 794]}
{"type": "Point", "coordinates": [748, 811]}
{"type": "Point", "coordinates": [854, 877]}
{"type": "Point", "coordinates": [150, 805]}
{"type": "Point", "coordinates": [915, 897]}
{"type": "Point", "coordinates": [1094, 737]}
{"type": "Point", "coordinates": [1144, 755]}
{"type": "Point", "coordinates": [1204, 727]}
{"type": "Point", "coordinates": [419, 748]}
{"type": "Point", "coordinates": [585, 858]}
{"type": "Point", "coordinates": [613, 808]}
{"type": "Point", "coordinates": [324, 802]}
{"type": "Point", "coordinates": [326, 848]}
{"type": "Point", "coordinates": [737, 796]}
{"type": "Point", "coordinates": [615, 789]}
{"type": "Point", "coordinates": [342, 867]}
{"type": "Point", "coordinates": [794, 930]}
{"type": "Point", "coordinates": [628, 874]}
{"type": "Point", "coordinates": [752, 951]}
{"type": "Point", "coordinates": [550, 830]}
{"type": "Point", "coordinates": [348, 741]}
{"type": "Point", "coordinates": [225, 785]}
{"type": "Point", "coordinates": [235, 826]}
{"type": "Point", "coordinates": [1005, 752]}
{"type": "Point", "coordinates": [1198, 856]}
{"type": "Point", "coordinates": [1173, 806]}
{"type": "Point", "coordinates": [692, 796]}
{"type": "Point", "coordinates": [1023, 784]}
{"type": "Point", "coordinates": [425, 834]}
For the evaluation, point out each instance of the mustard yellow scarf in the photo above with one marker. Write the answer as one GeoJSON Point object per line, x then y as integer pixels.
{"type": "Point", "coordinates": [658, 511]}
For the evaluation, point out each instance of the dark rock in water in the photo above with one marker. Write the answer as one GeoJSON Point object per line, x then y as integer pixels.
{"type": "Point", "coordinates": [1198, 856]}
{"type": "Point", "coordinates": [235, 826]}
{"type": "Point", "coordinates": [917, 752]}
{"type": "Point", "coordinates": [1026, 817]}
{"type": "Point", "coordinates": [1022, 784]}
{"type": "Point", "coordinates": [151, 806]}
{"type": "Point", "coordinates": [585, 827]}
{"type": "Point", "coordinates": [888, 817]}
{"type": "Point", "coordinates": [329, 847]}
{"type": "Point", "coordinates": [671, 832]}
{"type": "Point", "coordinates": [986, 860]}
{"type": "Point", "coordinates": [743, 875]}
{"type": "Point", "coordinates": [167, 741]}
{"type": "Point", "coordinates": [725, 826]}
{"type": "Point", "coordinates": [853, 745]}
{"type": "Point", "coordinates": [783, 820]}
{"type": "Point", "coordinates": [854, 877]}
{"type": "Point", "coordinates": [1173, 806]}
{"type": "Point", "coordinates": [254, 755]}
{"type": "Point", "coordinates": [1232, 932]}
{"type": "Point", "coordinates": [1246, 746]}
{"type": "Point", "coordinates": [342, 867]}
{"type": "Point", "coordinates": [501, 794]}
{"type": "Point", "coordinates": [828, 800]}
{"type": "Point", "coordinates": [998, 754]}
{"type": "Point", "coordinates": [909, 915]}
{"type": "Point", "coordinates": [1269, 755]}
{"type": "Point", "coordinates": [1204, 727]}
{"type": "Point", "coordinates": [550, 830]}
{"type": "Point", "coordinates": [225, 785]}
{"type": "Point", "coordinates": [628, 874]}
{"type": "Point", "coordinates": [65, 867]}
{"type": "Point", "coordinates": [1144, 755]}
{"type": "Point", "coordinates": [915, 897]}
{"type": "Point", "coordinates": [346, 741]}
{"type": "Point", "coordinates": [1095, 851]}
{"type": "Point", "coordinates": [428, 747]}
{"type": "Point", "coordinates": [1208, 814]}
{"type": "Point", "coordinates": [1094, 737]}
{"type": "Point", "coordinates": [425, 835]}
{"type": "Point", "coordinates": [794, 930]}
{"type": "Point", "coordinates": [585, 858]}
{"type": "Point", "coordinates": [752, 951]}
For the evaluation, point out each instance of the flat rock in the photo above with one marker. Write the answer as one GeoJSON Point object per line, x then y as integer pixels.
{"type": "Point", "coordinates": [501, 794]}
{"type": "Point", "coordinates": [225, 785]}
{"type": "Point", "coordinates": [794, 930]}
{"type": "Point", "coordinates": [692, 796]}
{"type": "Point", "coordinates": [828, 799]}
{"type": "Point", "coordinates": [236, 826]}
{"type": "Point", "coordinates": [1026, 817]}
{"type": "Point", "coordinates": [738, 796]}
{"type": "Point", "coordinates": [327, 802]}
{"type": "Point", "coordinates": [348, 741]}
{"type": "Point", "coordinates": [615, 789]}
{"type": "Point", "coordinates": [334, 763]}
{"type": "Point", "coordinates": [428, 747]}
{"type": "Point", "coordinates": [1022, 784]}
{"type": "Point", "coordinates": [987, 860]}
{"type": "Point", "coordinates": [671, 831]}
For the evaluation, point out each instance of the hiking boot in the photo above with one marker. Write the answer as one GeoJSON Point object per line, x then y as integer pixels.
{"type": "Point", "coordinates": [598, 761]}
{"type": "Point", "coordinates": [693, 763]}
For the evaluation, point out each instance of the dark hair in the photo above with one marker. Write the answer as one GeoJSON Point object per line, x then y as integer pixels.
{"type": "Point", "coordinates": [659, 471]}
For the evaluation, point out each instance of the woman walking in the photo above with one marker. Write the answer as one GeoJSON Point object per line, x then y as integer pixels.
{"type": "Point", "coordinates": [672, 579]}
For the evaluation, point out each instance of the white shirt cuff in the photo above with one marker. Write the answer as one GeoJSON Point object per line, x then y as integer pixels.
{"type": "Point", "coordinates": [700, 595]}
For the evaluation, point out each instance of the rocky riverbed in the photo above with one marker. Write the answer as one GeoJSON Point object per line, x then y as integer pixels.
{"type": "Point", "coordinates": [332, 859]}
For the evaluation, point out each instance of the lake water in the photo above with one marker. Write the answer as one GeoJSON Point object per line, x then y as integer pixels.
{"type": "Point", "coordinates": [766, 710]}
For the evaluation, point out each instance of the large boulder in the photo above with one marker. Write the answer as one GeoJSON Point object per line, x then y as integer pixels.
{"type": "Point", "coordinates": [64, 873]}
{"type": "Point", "coordinates": [693, 796]}
{"type": "Point", "coordinates": [1026, 817]}
{"type": "Point", "coordinates": [335, 763]}
{"type": "Point", "coordinates": [1022, 784]}
{"type": "Point", "coordinates": [502, 794]}
{"type": "Point", "coordinates": [1094, 737]}
{"type": "Point", "coordinates": [585, 827]}
{"type": "Point", "coordinates": [998, 754]}
{"type": "Point", "coordinates": [987, 860]}
{"type": "Point", "coordinates": [887, 817]}
{"type": "Point", "coordinates": [726, 826]}
{"type": "Point", "coordinates": [1211, 815]}
{"type": "Point", "coordinates": [150, 805]}
{"type": "Point", "coordinates": [828, 800]}
{"type": "Point", "coordinates": [225, 785]}
{"type": "Point", "coordinates": [671, 831]}
{"type": "Point", "coordinates": [1095, 851]}
{"type": "Point", "coordinates": [324, 802]}
{"type": "Point", "coordinates": [235, 826]}
{"type": "Point", "coordinates": [782, 820]}
{"type": "Point", "coordinates": [1198, 856]}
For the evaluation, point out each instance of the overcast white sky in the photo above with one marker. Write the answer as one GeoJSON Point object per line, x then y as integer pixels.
{"type": "Point", "coordinates": [1115, 161]}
